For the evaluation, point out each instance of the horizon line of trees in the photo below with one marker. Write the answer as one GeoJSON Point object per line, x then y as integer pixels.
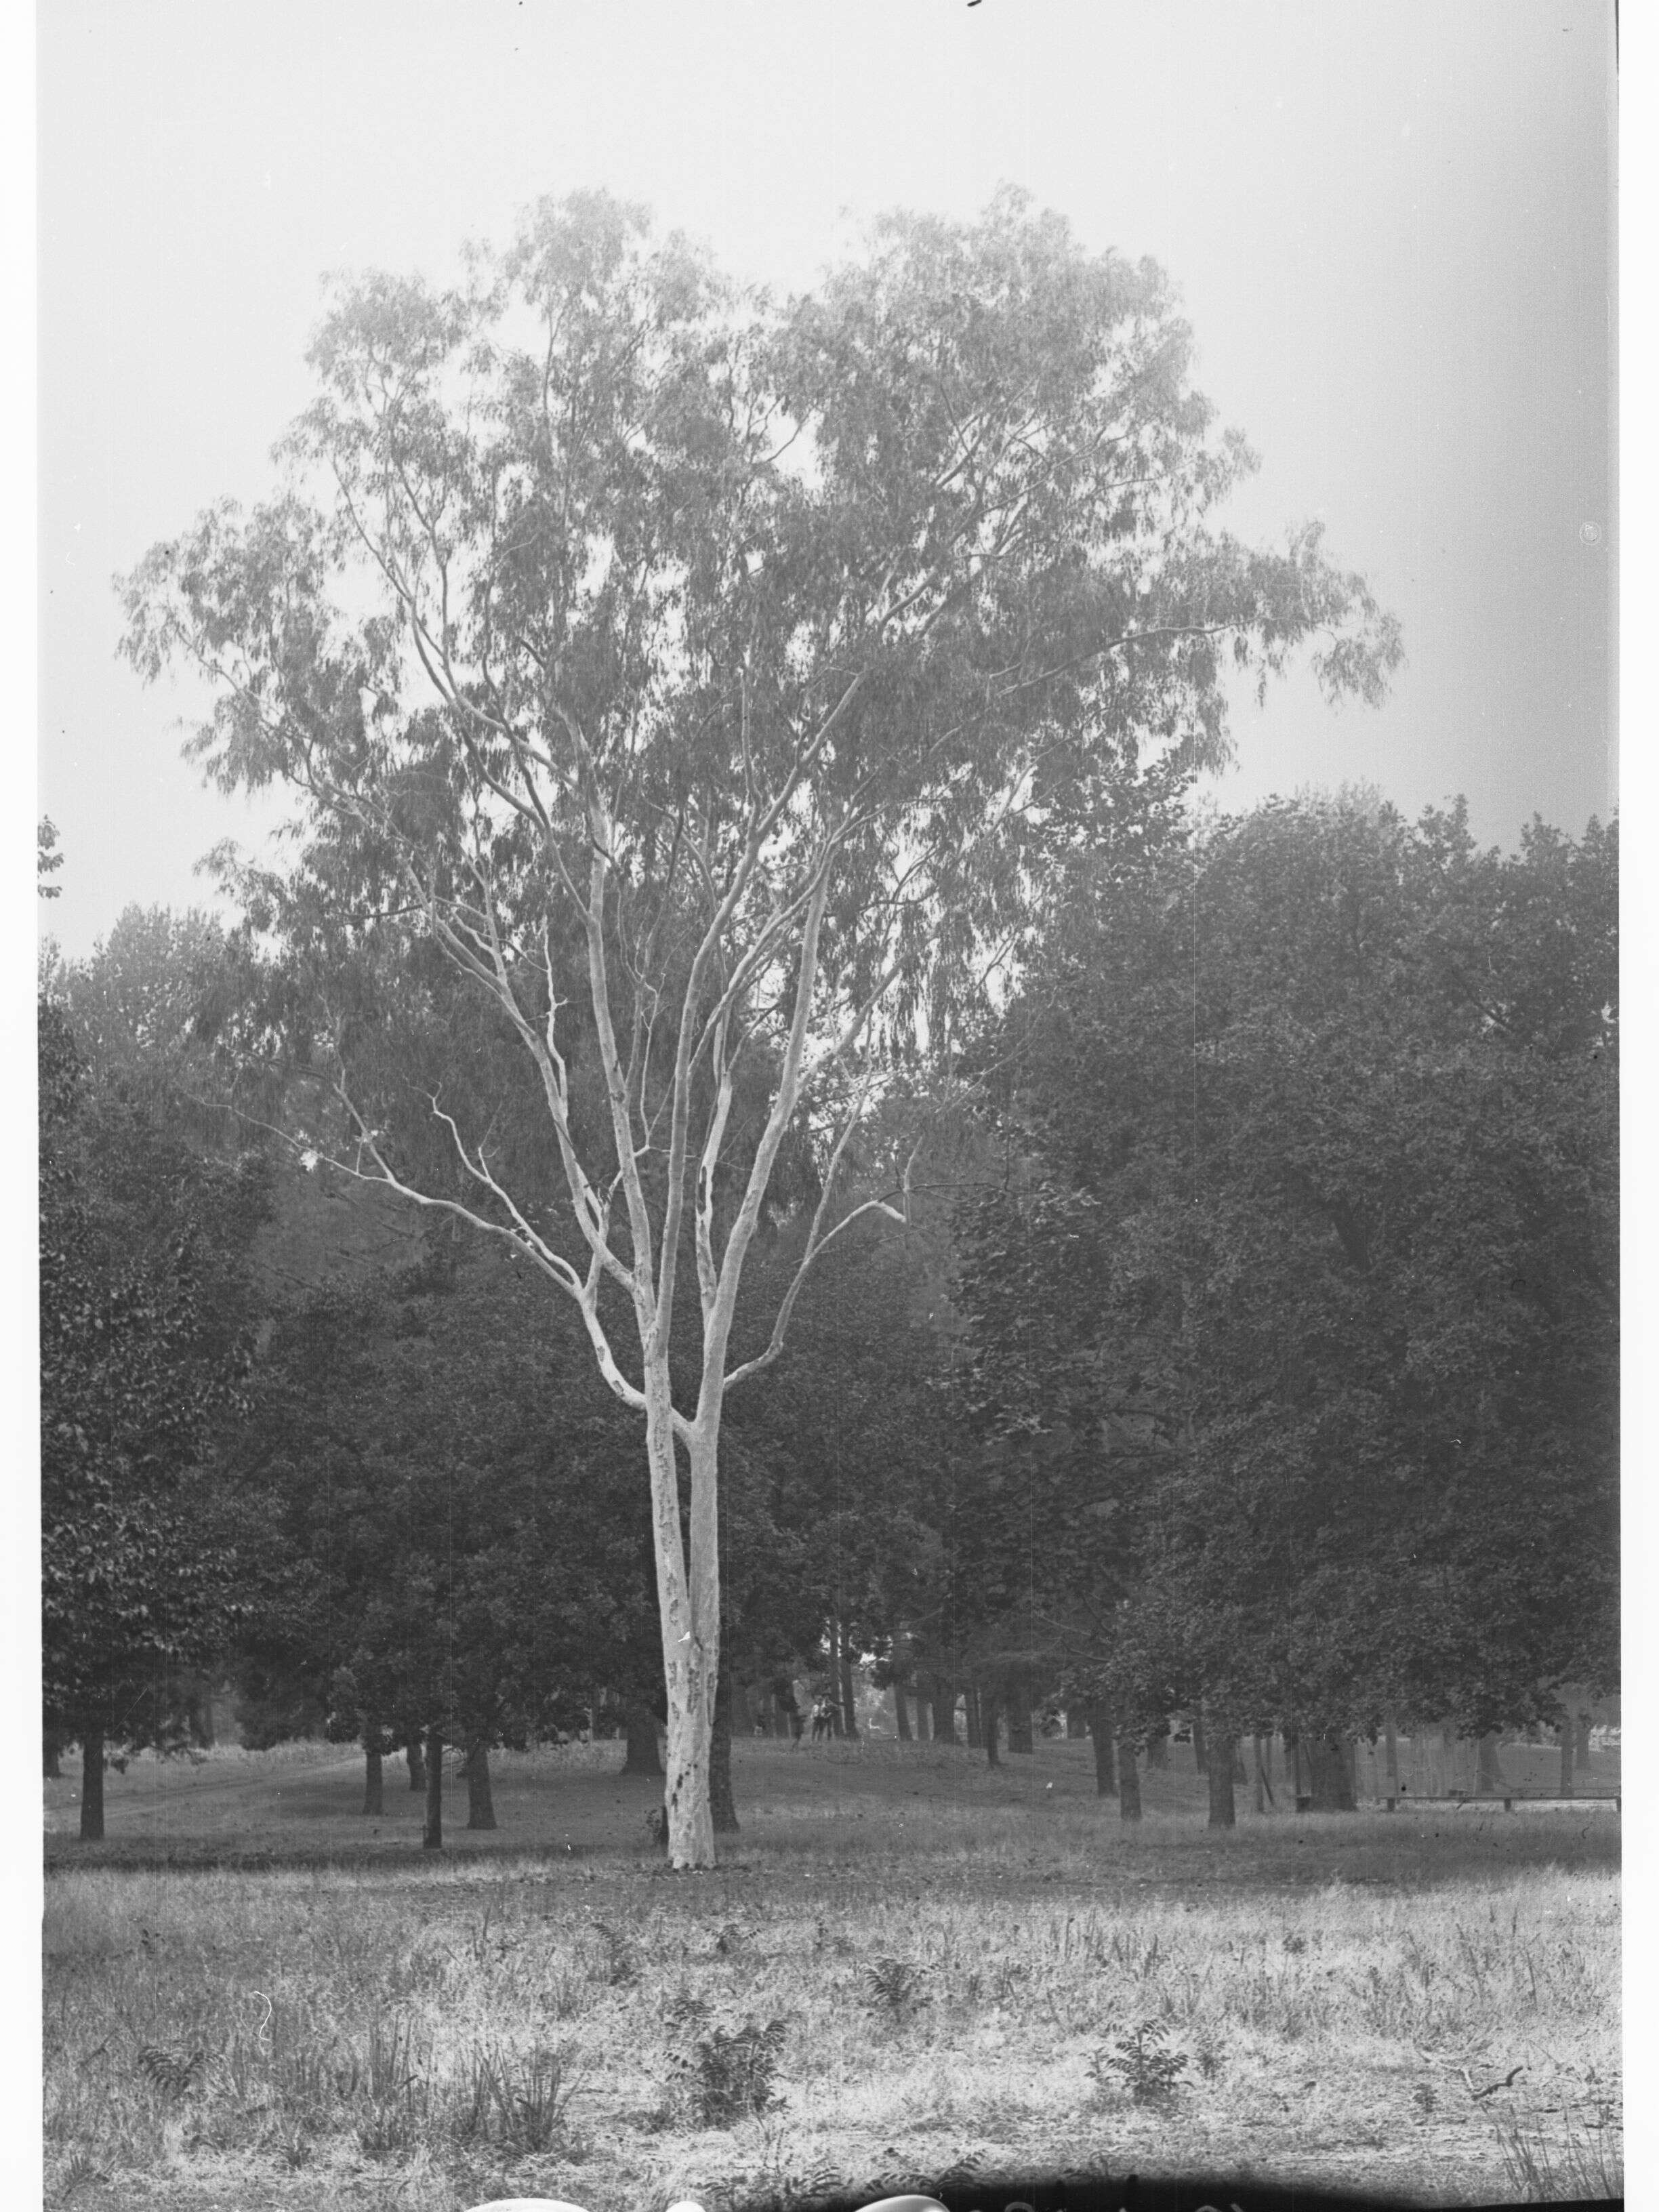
{"type": "Point", "coordinates": [1249, 1350]}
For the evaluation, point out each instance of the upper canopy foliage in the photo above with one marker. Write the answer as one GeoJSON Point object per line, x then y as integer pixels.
{"type": "Point", "coordinates": [768, 653]}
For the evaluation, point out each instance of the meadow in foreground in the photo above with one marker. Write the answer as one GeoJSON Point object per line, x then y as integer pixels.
{"type": "Point", "coordinates": [870, 1990]}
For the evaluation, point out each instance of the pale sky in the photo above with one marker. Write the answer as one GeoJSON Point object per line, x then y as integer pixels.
{"type": "Point", "coordinates": [1390, 223]}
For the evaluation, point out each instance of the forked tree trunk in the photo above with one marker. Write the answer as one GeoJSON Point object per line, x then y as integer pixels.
{"type": "Point", "coordinates": [901, 1713]}
{"type": "Point", "coordinates": [1223, 1813]}
{"type": "Point", "coordinates": [1128, 1781]}
{"type": "Point", "coordinates": [91, 1786]}
{"type": "Point", "coordinates": [416, 1760]}
{"type": "Point", "coordinates": [480, 1799]}
{"type": "Point", "coordinates": [688, 1605]}
{"type": "Point", "coordinates": [988, 1717]}
{"type": "Point", "coordinates": [640, 1732]}
{"type": "Point", "coordinates": [432, 1834]}
{"type": "Point", "coordinates": [374, 1779]}
{"type": "Point", "coordinates": [1100, 1728]}
{"type": "Point", "coordinates": [722, 1805]}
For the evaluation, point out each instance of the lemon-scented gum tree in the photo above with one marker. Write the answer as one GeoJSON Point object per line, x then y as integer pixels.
{"type": "Point", "coordinates": [744, 663]}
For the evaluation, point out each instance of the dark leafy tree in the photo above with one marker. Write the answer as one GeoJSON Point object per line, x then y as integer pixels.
{"type": "Point", "coordinates": [147, 1318]}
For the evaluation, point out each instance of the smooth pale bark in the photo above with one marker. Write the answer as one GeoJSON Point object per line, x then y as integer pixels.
{"type": "Point", "coordinates": [722, 1804]}
{"type": "Point", "coordinates": [417, 1761]}
{"type": "Point", "coordinates": [1566, 1733]}
{"type": "Point", "coordinates": [1332, 1789]}
{"type": "Point", "coordinates": [640, 1733]}
{"type": "Point", "coordinates": [432, 1834]}
{"type": "Point", "coordinates": [1100, 1728]}
{"type": "Point", "coordinates": [480, 1799]}
{"type": "Point", "coordinates": [1200, 1761]}
{"type": "Point", "coordinates": [901, 1713]}
{"type": "Point", "coordinates": [1128, 1781]}
{"type": "Point", "coordinates": [988, 1717]}
{"type": "Point", "coordinates": [689, 1601]}
{"type": "Point", "coordinates": [373, 1776]}
{"type": "Point", "coordinates": [91, 1786]}
{"type": "Point", "coordinates": [1223, 1813]}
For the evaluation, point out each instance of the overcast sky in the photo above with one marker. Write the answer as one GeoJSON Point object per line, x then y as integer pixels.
{"type": "Point", "coordinates": [1390, 223]}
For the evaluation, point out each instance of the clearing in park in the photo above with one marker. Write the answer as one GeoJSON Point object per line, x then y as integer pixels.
{"type": "Point", "coordinates": [906, 1964]}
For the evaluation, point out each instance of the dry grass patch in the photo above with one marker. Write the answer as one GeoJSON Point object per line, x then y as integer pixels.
{"type": "Point", "coordinates": [854, 2000]}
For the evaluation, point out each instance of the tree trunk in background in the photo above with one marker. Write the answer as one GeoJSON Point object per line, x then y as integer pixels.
{"type": "Point", "coordinates": [1328, 1761]}
{"type": "Point", "coordinates": [417, 1761]}
{"type": "Point", "coordinates": [1239, 1774]}
{"type": "Point", "coordinates": [901, 1713]}
{"type": "Point", "coordinates": [480, 1801]}
{"type": "Point", "coordinates": [1391, 1756]}
{"type": "Point", "coordinates": [1077, 1722]}
{"type": "Point", "coordinates": [849, 1702]}
{"type": "Point", "coordinates": [1488, 1776]}
{"type": "Point", "coordinates": [721, 1804]}
{"type": "Point", "coordinates": [924, 1711]}
{"type": "Point", "coordinates": [1581, 1744]}
{"type": "Point", "coordinates": [1100, 1728]}
{"type": "Point", "coordinates": [973, 1712]}
{"type": "Point", "coordinates": [945, 1712]}
{"type": "Point", "coordinates": [1264, 1787]}
{"type": "Point", "coordinates": [1157, 1751]}
{"type": "Point", "coordinates": [53, 1748]}
{"type": "Point", "coordinates": [1019, 1717]}
{"type": "Point", "coordinates": [374, 1779]}
{"type": "Point", "coordinates": [1128, 1782]}
{"type": "Point", "coordinates": [640, 1728]}
{"type": "Point", "coordinates": [432, 1835]}
{"type": "Point", "coordinates": [988, 1728]}
{"type": "Point", "coordinates": [1223, 1813]}
{"type": "Point", "coordinates": [1566, 1734]}
{"type": "Point", "coordinates": [91, 1786]}
{"type": "Point", "coordinates": [1200, 1749]}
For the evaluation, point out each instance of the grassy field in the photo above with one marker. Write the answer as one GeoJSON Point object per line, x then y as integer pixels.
{"type": "Point", "coordinates": [906, 1964]}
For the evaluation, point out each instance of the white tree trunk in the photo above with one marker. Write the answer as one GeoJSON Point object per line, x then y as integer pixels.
{"type": "Point", "coordinates": [688, 1606]}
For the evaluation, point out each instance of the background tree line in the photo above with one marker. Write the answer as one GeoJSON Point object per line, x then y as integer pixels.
{"type": "Point", "coordinates": [1249, 1351]}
